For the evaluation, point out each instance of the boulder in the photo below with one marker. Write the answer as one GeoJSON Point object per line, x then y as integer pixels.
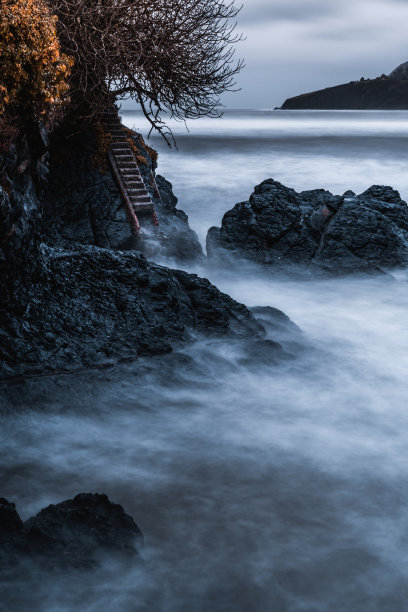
{"type": "Point", "coordinates": [77, 533]}
{"type": "Point", "coordinates": [315, 231]}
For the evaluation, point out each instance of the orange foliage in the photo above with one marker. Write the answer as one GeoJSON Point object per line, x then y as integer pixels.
{"type": "Point", "coordinates": [34, 72]}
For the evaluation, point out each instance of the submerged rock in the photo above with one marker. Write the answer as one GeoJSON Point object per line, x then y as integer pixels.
{"type": "Point", "coordinates": [76, 533]}
{"type": "Point", "coordinates": [315, 231]}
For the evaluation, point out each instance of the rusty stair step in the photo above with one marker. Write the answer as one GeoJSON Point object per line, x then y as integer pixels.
{"type": "Point", "coordinates": [133, 184]}
{"type": "Point", "coordinates": [126, 166]}
{"type": "Point", "coordinates": [142, 208]}
{"type": "Point", "coordinates": [142, 200]}
{"type": "Point", "coordinates": [133, 177]}
{"type": "Point", "coordinates": [138, 193]}
{"type": "Point", "coordinates": [136, 187]}
{"type": "Point", "coordinates": [124, 157]}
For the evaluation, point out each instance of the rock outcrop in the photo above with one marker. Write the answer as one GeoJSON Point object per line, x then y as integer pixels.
{"type": "Point", "coordinates": [315, 231]}
{"type": "Point", "coordinates": [67, 303]}
{"type": "Point", "coordinates": [83, 204]}
{"type": "Point", "coordinates": [76, 533]}
{"type": "Point", "coordinates": [93, 306]}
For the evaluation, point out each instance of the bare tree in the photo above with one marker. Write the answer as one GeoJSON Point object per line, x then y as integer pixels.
{"type": "Point", "coordinates": [172, 56]}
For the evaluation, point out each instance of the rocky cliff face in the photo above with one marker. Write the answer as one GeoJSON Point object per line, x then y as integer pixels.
{"type": "Point", "coordinates": [315, 231]}
{"type": "Point", "coordinates": [83, 204]}
{"type": "Point", "coordinates": [71, 297]}
{"type": "Point", "coordinates": [23, 178]}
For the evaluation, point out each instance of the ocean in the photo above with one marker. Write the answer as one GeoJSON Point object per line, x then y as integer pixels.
{"type": "Point", "coordinates": [258, 489]}
{"type": "Point", "coordinates": [219, 161]}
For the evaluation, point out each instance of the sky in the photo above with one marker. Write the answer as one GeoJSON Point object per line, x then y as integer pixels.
{"type": "Point", "coordinates": [296, 46]}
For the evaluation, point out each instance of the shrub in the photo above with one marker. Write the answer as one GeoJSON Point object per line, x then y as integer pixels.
{"type": "Point", "coordinates": [33, 71]}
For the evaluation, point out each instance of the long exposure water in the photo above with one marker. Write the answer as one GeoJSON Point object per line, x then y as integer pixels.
{"type": "Point", "coordinates": [219, 161]}
{"type": "Point", "coordinates": [257, 487]}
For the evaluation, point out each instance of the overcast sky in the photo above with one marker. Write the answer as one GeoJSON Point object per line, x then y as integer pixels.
{"type": "Point", "coordinates": [295, 46]}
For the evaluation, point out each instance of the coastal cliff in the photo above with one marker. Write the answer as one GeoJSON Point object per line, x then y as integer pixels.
{"type": "Point", "coordinates": [75, 293]}
{"type": "Point", "coordinates": [383, 93]}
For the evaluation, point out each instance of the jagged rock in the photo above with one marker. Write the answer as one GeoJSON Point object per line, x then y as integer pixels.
{"type": "Point", "coordinates": [20, 218]}
{"type": "Point", "coordinates": [76, 533]}
{"type": "Point", "coordinates": [92, 306]}
{"type": "Point", "coordinates": [67, 305]}
{"type": "Point", "coordinates": [315, 230]}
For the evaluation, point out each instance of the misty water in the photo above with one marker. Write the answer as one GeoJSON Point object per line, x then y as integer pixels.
{"type": "Point", "coordinates": [258, 486]}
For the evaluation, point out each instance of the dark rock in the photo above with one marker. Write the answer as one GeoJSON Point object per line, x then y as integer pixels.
{"type": "Point", "coordinates": [382, 93]}
{"type": "Point", "coordinates": [261, 353]}
{"type": "Point", "coordinates": [13, 543]}
{"type": "Point", "coordinates": [280, 327]}
{"type": "Point", "coordinates": [67, 304]}
{"type": "Point", "coordinates": [76, 533]}
{"type": "Point", "coordinates": [20, 219]}
{"type": "Point", "coordinates": [83, 204]}
{"type": "Point", "coordinates": [176, 239]}
{"type": "Point", "coordinates": [11, 525]}
{"type": "Point", "coordinates": [82, 529]}
{"type": "Point", "coordinates": [315, 230]}
{"type": "Point", "coordinates": [92, 306]}
{"type": "Point", "coordinates": [275, 320]}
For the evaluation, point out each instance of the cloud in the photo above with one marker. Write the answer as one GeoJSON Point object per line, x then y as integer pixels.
{"type": "Point", "coordinates": [259, 11]}
{"type": "Point", "coordinates": [294, 46]}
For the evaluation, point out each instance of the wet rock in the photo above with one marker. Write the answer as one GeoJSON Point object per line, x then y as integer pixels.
{"type": "Point", "coordinates": [315, 231]}
{"type": "Point", "coordinates": [70, 297]}
{"type": "Point", "coordinates": [11, 525]}
{"type": "Point", "coordinates": [176, 240]}
{"type": "Point", "coordinates": [77, 533]}
{"type": "Point", "coordinates": [279, 327]}
{"type": "Point", "coordinates": [94, 306]}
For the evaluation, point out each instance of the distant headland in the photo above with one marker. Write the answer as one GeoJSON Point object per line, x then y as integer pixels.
{"type": "Point", "coordinates": [386, 92]}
